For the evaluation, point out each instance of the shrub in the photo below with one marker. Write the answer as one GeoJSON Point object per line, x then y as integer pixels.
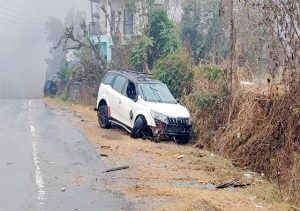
{"type": "Point", "coordinates": [164, 35]}
{"type": "Point", "coordinates": [175, 70]}
{"type": "Point", "coordinates": [208, 103]}
{"type": "Point", "coordinates": [138, 53]}
{"type": "Point", "coordinates": [64, 72]}
{"type": "Point", "coordinates": [204, 100]}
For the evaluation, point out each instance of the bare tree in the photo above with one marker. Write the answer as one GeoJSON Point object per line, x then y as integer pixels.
{"type": "Point", "coordinates": [69, 35]}
{"type": "Point", "coordinates": [282, 19]}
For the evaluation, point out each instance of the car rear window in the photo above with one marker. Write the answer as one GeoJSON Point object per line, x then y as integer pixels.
{"type": "Point", "coordinates": [108, 78]}
{"type": "Point", "coordinates": [119, 83]}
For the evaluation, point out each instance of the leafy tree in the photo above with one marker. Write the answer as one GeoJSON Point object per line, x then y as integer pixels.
{"type": "Point", "coordinates": [138, 53]}
{"type": "Point", "coordinates": [163, 33]}
{"type": "Point", "coordinates": [175, 70]}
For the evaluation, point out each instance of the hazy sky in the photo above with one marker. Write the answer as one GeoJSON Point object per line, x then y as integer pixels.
{"type": "Point", "coordinates": [23, 46]}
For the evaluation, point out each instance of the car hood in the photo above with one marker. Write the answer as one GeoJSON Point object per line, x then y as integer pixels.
{"type": "Point", "coordinates": [170, 110]}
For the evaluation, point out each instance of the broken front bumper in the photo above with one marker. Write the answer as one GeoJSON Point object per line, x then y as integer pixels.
{"type": "Point", "coordinates": [171, 131]}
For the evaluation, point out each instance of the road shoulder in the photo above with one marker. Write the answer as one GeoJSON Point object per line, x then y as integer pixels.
{"type": "Point", "coordinates": [165, 176]}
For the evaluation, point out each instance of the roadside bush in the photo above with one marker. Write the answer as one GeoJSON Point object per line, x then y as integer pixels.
{"type": "Point", "coordinates": [175, 70]}
{"type": "Point", "coordinates": [204, 100]}
{"type": "Point", "coordinates": [208, 103]}
{"type": "Point", "coordinates": [164, 35]}
{"type": "Point", "coordinates": [138, 53]}
{"type": "Point", "coordinates": [64, 72]}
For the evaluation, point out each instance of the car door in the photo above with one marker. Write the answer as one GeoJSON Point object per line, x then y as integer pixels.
{"type": "Point", "coordinates": [127, 103]}
{"type": "Point", "coordinates": [115, 97]}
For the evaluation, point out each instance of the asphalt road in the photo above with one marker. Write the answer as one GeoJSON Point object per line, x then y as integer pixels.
{"type": "Point", "coordinates": [47, 164]}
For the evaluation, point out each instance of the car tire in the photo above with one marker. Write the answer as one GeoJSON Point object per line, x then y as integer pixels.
{"type": "Point", "coordinates": [138, 127]}
{"type": "Point", "coordinates": [103, 118]}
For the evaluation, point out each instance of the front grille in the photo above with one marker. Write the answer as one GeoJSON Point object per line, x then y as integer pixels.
{"type": "Point", "coordinates": [176, 129]}
{"type": "Point", "coordinates": [178, 121]}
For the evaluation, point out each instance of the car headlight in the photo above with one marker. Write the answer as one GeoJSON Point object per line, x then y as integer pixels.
{"type": "Point", "coordinates": [159, 116]}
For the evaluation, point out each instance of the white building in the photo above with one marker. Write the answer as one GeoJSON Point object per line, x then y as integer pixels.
{"type": "Point", "coordinates": [113, 21]}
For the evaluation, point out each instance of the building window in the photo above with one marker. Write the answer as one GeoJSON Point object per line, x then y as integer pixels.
{"type": "Point", "coordinates": [128, 22]}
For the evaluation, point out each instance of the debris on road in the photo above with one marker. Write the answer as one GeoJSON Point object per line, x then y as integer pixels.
{"type": "Point", "coordinates": [229, 183]}
{"type": "Point", "coordinates": [63, 189]}
{"type": "Point", "coordinates": [116, 169]}
{"type": "Point", "coordinates": [249, 174]}
{"type": "Point", "coordinates": [103, 155]}
{"type": "Point", "coordinates": [180, 156]}
{"type": "Point", "coordinates": [235, 183]}
{"type": "Point", "coordinates": [77, 164]}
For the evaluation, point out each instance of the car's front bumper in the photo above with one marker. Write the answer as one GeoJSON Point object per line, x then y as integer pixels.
{"type": "Point", "coordinates": [171, 131]}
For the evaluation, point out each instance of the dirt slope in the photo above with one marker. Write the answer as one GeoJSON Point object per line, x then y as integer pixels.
{"type": "Point", "coordinates": [165, 176]}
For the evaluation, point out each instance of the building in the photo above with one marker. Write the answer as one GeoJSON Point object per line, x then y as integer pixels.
{"type": "Point", "coordinates": [112, 21]}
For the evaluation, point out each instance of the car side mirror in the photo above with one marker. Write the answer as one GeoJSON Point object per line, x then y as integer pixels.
{"type": "Point", "coordinates": [177, 100]}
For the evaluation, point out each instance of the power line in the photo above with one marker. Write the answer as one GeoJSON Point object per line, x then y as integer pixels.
{"type": "Point", "coordinates": [22, 10]}
{"type": "Point", "coordinates": [3, 20]}
{"type": "Point", "coordinates": [19, 17]}
{"type": "Point", "coordinates": [20, 13]}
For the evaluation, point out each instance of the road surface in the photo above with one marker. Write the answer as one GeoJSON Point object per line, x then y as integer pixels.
{"type": "Point", "coordinates": [47, 164]}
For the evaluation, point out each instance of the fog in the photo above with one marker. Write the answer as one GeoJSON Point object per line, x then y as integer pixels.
{"type": "Point", "coordinates": [23, 45]}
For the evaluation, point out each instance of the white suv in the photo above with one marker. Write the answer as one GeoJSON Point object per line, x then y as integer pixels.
{"type": "Point", "coordinates": [143, 106]}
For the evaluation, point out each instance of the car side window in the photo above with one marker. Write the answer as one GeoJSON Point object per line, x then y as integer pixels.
{"type": "Point", "coordinates": [131, 91]}
{"type": "Point", "coordinates": [119, 83]}
{"type": "Point", "coordinates": [108, 79]}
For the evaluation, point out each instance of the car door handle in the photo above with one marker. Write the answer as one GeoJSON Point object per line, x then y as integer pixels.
{"type": "Point", "coordinates": [120, 102]}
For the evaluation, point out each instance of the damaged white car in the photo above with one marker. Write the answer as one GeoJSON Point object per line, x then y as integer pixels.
{"type": "Point", "coordinates": [143, 106]}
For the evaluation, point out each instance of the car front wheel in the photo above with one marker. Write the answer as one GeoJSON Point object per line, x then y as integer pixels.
{"type": "Point", "coordinates": [138, 127]}
{"type": "Point", "coordinates": [103, 118]}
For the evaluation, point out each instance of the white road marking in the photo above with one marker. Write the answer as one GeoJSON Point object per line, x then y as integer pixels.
{"type": "Point", "coordinates": [39, 180]}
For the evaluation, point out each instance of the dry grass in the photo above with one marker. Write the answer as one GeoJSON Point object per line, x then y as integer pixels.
{"type": "Point", "coordinates": [264, 135]}
{"type": "Point", "coordinates": [258, 126]}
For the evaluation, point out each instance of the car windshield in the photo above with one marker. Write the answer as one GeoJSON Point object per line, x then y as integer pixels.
{"type": "Point", "coordinates": [156, 92]}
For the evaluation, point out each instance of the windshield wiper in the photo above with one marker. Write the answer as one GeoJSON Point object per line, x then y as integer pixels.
{"type": "Point", "coordinates": [155, 91]}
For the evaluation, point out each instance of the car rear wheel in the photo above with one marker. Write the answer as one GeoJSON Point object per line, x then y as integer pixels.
{"type": "Point", "coordinates": [139, 126]}
{"type": "Point", "coordinates": [103, 118]}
